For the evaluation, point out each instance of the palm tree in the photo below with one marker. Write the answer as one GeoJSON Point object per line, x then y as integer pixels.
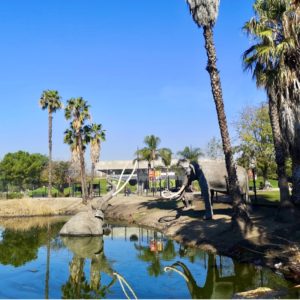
{"type": "Point", "coordinates": [166, 157]}
{"type": "Point", "coordinates": [205, 13]}
{"type": "Point", "coordinates": [77, 110]}
{"type": "Point", "coordinates": [97, 135]}
{"type": "Point", "coordinates": [50, 100]}
{"type": "Point", "coordinates": [150, 153]}
{"type": "Point", "coordinates": [274, 61]}
{"type": "Point", "coordinates": [191, 154]}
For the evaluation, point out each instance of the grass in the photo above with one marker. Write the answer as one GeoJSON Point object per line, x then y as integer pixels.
{"type": "Point", "coordinates": [266, 197]}
{"type": "Point", "coordinates": [259, 180]}
{"type": "Point", "coordinates": [39, 207]}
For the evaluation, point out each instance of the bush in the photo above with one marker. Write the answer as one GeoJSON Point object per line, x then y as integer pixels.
{"type": "Point", "coordinates": [14, 195]}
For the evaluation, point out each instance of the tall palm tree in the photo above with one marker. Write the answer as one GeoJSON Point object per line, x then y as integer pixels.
{"type": "Point", "coordinates": [166, 157]}
{"type": "Point", "coordinates": [190, 153]}
{"type": "Point", "coordinates": [150, 153]}
{"type": "Point", "coordinates": [51, 101]}
{"type": "Point", "coordinates": [77, 110]}
{"type": "Point", "coordinates": [205, 13]}
{"type": "Point", "coordinates": [275, 61]}
{"type": "Point", "coordinates": [97, 135]}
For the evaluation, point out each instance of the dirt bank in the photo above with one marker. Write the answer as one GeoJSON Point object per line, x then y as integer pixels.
{"type": "Point", "coordinates": [272, 244]}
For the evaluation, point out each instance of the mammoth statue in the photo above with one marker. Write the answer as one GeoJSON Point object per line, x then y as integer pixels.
{"type": "Point", "coordinates": [212, 177]}
{"type": "Point", "coordinates": [90, 222]}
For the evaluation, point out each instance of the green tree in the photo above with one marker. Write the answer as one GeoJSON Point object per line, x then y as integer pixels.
{"type": "Point", "coordinates": [190, 153]}
{"type": "Point", "coordinates": [214, 149]}
{"type": "Point", "coordinates": [50, 100]}
{"type": "Point", "coordinates": [78, 135]}
{"type": "Point", "coordinates": [275, 63]}
{"type": "Point", "coordinates": [22, 169]}
{"type": "Point", "coordinates": [97, 136]}
{"type": "Point", "coordinates": [205, 13]}
{"type": "Point", "coordinates": [254, 131]}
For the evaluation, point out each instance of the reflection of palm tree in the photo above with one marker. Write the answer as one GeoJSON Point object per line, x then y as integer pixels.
{"type": "Point", "coordinates": [155, 267]}
{"type": "Point", "coordinates": [48, 262]}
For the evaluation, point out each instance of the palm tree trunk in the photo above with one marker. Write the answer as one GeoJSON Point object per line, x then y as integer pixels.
{"type": "Point", "coordinates": [296, 177]}
{"type": "Point", "coordinates": [280, 151]}
{"type": "Point", "coordinates": [82, 170]}
{"type": "Point", "coordinates": [50, 117]}
{"type": "Point", "coordinates": [92, 179]}
{"type": "Point", "coordinates": [240, 212]}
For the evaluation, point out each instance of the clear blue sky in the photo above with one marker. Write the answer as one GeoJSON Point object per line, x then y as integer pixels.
{"type": "Point", "coordinates": [139, 63]}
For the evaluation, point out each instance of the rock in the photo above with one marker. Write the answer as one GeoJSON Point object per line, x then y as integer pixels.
{"type": "Point", "coordinates": [83, 224]}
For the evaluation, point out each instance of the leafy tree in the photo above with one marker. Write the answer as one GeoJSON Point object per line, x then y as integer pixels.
{"type": "Point", "coordinates": [78, 136]}
{"type": "Point", "coordinates": [190, 153]}
{"type": "Point", "coordinates": [256, 139]}
{"type": "Point", "coordinates": [205, 13]}
{"type": "Point", "coordinates": [275, 63]}
{"type": "Point", "coordinates": [50, 100]}
{"type": "Point", "coordinates": [97, 136]}
{"type": "Point", "coordinates": [214, 149]}
{"type": "Point", "coordinates": [22, 168]}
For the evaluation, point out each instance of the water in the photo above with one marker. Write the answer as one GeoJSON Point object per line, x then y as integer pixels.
{"type": "Point", "coordinates": [36, 263]}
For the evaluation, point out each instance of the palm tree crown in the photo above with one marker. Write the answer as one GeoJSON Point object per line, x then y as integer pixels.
{"type": "Point", "coordinates": [190, 153]}
{"type": "Point", "coordinates": [97, 134]}
{"type": "Point", "coordinates": [204, 12]}
{"type": "Point", "coordinates": [50, 100]}
{"type": "Point", "coordinates": [78, 110]}
{"type": "Point", "coordinates": [149, 153]}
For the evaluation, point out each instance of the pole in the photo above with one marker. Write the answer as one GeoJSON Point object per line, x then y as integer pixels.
{"type": "Point", "coordinates": [138, 171]}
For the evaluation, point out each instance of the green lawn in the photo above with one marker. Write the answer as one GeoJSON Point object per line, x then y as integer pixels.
{"type": "Point", "coordinates": [259, 180]}
{"type": "Point", "coordinates": [266, 197]}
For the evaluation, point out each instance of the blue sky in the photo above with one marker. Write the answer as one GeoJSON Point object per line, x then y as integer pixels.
{"type": "Point", "coordinates": [140, 65]}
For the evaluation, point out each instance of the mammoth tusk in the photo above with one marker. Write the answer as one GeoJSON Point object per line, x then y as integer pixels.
{"type": "Point", "coordinates": [121, 176]}
{"type": "Point", "coordinates": [173, 195]}
{"type": "Point", "coordinates": [122, 187]}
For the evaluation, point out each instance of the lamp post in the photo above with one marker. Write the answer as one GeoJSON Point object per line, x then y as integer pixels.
{"type": "Point", "coordinates": [253, 168]}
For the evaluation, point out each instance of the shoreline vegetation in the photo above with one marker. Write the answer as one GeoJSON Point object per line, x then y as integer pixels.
{"type": "Point", "coordinates": [274, 244]}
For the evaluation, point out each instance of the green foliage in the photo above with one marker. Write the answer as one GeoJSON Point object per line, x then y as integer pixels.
{"type": "Point", "coordinates": [22, 169]}
{"type": "Point", "coordinates": [190, 153]}
{"type": "Point", "coordinates": [43, 192]}
{"type": "Point", "coordinates": [256, 140]}
{"type": "Point", "coordinates": [14, 195]}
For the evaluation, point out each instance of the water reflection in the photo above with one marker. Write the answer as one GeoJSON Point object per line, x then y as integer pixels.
{"type": "Point", "coordinates": [85, 267]}
{"type": "Point", "coordinates": [77, 285]}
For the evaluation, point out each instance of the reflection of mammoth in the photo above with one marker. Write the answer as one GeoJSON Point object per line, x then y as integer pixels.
{"type": "Point", "coordinates": [197, 292]}
{"type": "Point", "coordinates": [77, 285]}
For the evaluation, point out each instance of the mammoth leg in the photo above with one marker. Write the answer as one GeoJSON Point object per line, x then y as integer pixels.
{"type": "Point", "coordinates": [212, 193]}
{"type": "Point", "coordinates": [206, 195]}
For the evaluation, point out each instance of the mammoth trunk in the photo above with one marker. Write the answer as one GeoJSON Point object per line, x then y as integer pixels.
{"type": "Point", "coordinates": [239, 209]}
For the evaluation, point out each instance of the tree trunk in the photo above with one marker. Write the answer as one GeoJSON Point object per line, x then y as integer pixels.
{"type": "Point", "coordinates": [50, 154]}
{"type": "Point", "coordinates": [280, 151]}
{"type": "Point", "coordinates": [92, 179]}
{"type": "Point", "coordinates": [296, 177]}
{"type": "Point", "coordinates": [240, 212]}
{"type": "Point", "coordinates": [82, 170]}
